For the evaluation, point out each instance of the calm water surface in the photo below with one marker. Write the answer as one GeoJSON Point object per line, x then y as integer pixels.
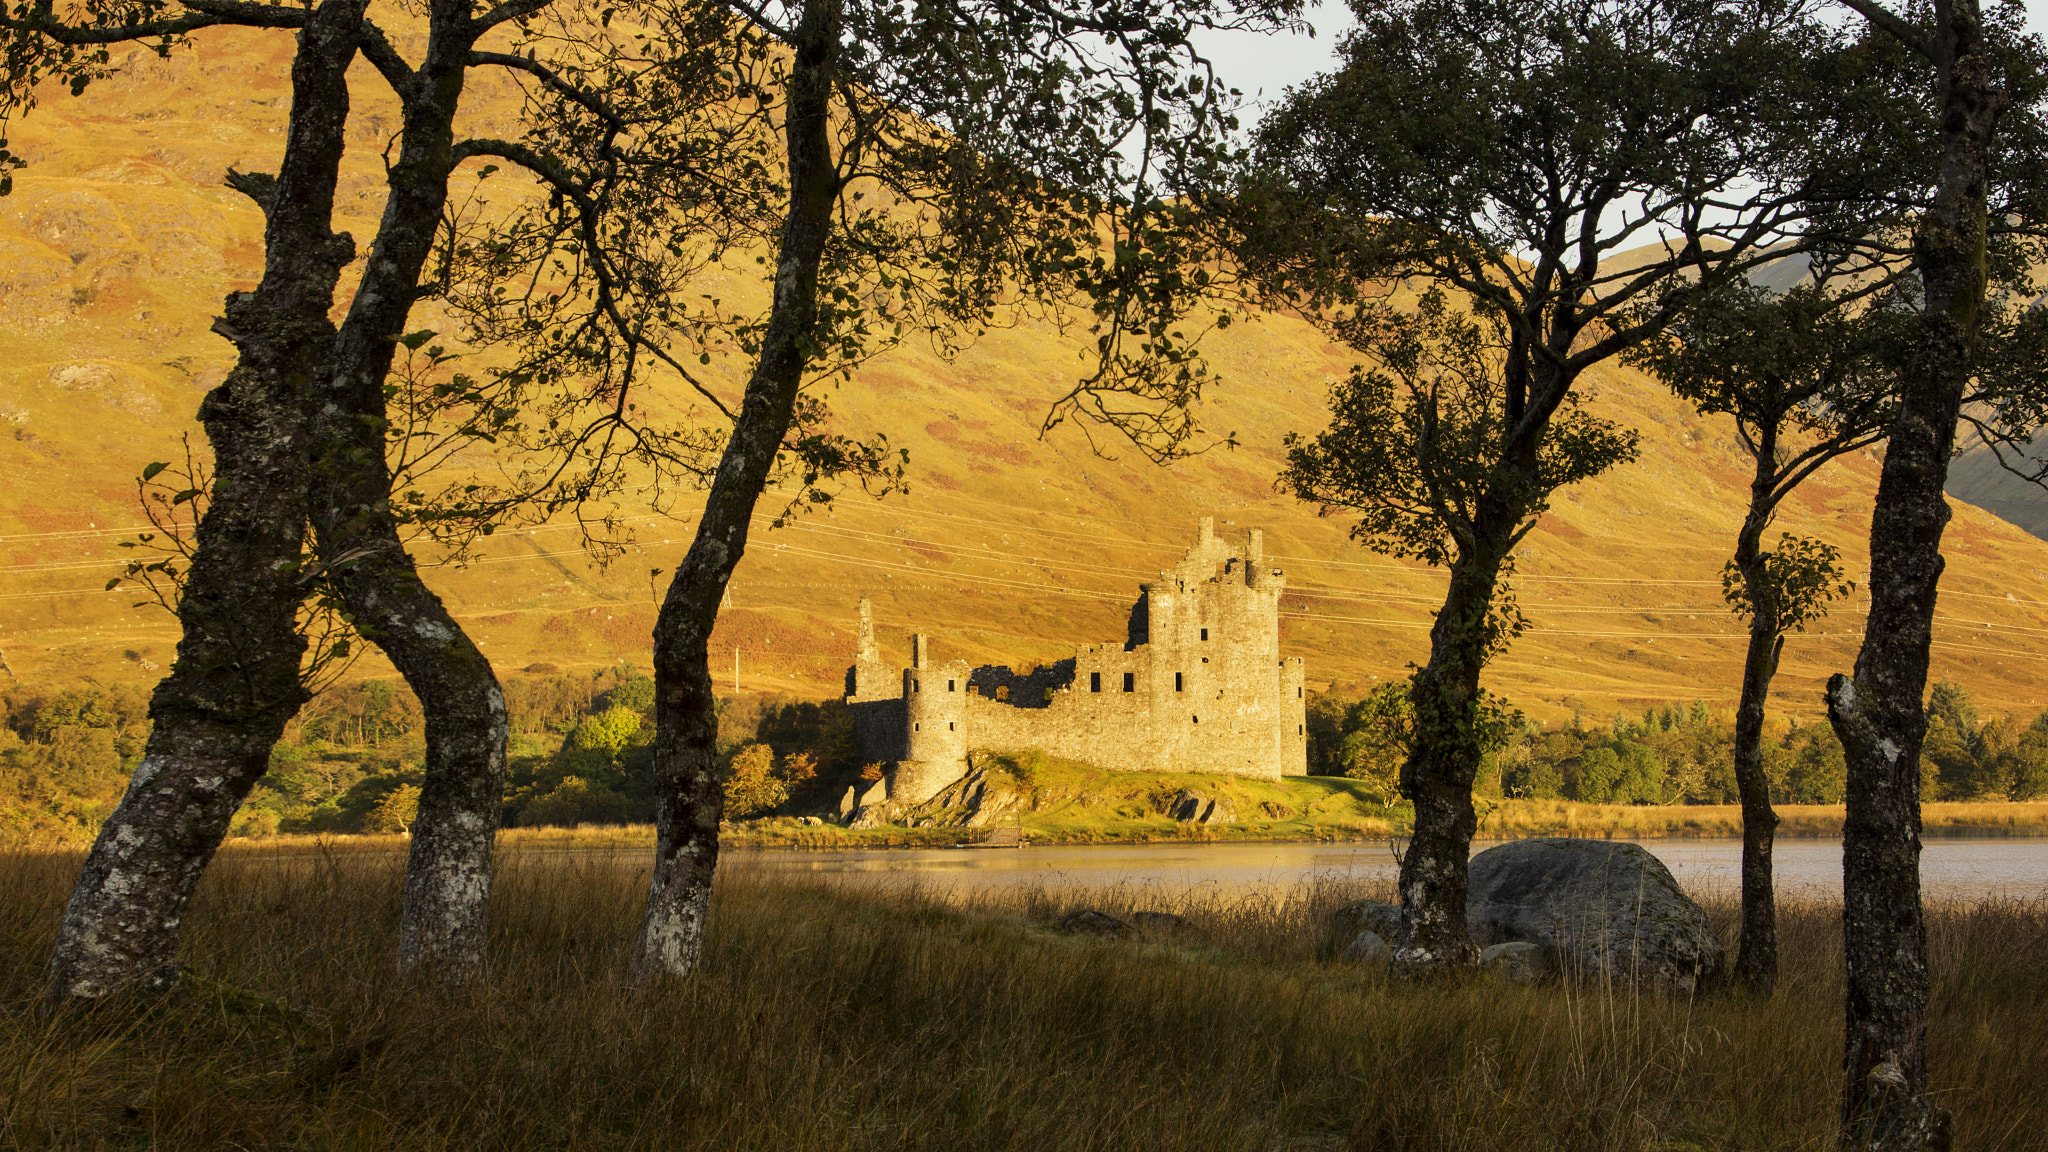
{"type": "Point", "coordinates": [1968, 869]}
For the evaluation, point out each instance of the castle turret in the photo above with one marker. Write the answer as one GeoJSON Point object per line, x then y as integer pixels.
{"type": "Point", "coordinates": [935, 753]}
{"type": "Point", "coordinates": [868, 650]}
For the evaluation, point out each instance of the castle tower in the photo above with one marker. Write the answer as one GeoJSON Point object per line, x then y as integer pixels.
{"type": "Point", "coordinates": [874, 695]}
{"type": "Point", "coordinates": [935, 705]}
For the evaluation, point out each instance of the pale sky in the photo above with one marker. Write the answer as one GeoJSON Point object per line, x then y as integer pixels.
{"type": "Point", "coordinates": [1263, 66]}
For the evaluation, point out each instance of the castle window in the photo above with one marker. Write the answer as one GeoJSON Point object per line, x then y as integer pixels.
{"type": "Point", "coordinates": [916, 687]}
{"type": "Point", "coordinates": [1205, 633]}
{"type": "Point", "coordinates": [1130, 681]}
{"type": "Point", "coordinates": [949, 725]}
{"type": "Point", "coordinates": [1298, 729]}
{"type": "Point", "coordinates": [917, 727]}
{"type": "Point", "coordinates": [1176, 681]}
{"type": "Point", "coordinates": [1198, 719]}
{"type": "Point", "coordinates": [1297, 693]}
{"type": "Point", "coordinates": [949, 685]}
{"type": "Point", "coordinates": [1095, 681]}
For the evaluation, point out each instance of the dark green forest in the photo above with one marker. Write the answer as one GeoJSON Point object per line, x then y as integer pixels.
{"type": "Point", "coordinates": [581, 753]}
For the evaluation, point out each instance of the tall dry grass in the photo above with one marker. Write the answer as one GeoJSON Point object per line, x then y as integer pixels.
{"type": "Point", "coordinates": [860, 1016]}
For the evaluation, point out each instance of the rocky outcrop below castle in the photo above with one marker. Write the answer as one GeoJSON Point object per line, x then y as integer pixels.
{"type": "Point", "coordinates": [992, 793]}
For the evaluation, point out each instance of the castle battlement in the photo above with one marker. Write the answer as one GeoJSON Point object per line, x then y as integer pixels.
{"type": "Point", "coordinates": [1198, 685]}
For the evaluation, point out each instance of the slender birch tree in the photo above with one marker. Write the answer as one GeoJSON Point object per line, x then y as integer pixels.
{"type": "Point", "coordinates": [1808, 376]}
{"type": "Point", "coordinates": [1557, 167]}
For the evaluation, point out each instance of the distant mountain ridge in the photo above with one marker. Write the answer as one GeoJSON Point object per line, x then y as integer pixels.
{"type": "Point", "coordinates": [120, 240]}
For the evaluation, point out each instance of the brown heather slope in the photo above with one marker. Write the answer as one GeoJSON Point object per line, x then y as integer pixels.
{"type": "Point", "coordinates": [119, 241]}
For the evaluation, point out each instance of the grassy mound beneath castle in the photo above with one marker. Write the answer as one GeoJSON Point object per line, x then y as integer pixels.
{"type": "Point", "coordinates": [1069, 801]}
{"type": "Point", "coordinates": [1054, 800]}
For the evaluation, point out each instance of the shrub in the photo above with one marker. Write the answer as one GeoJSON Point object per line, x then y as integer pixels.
{"type": "Point", "coordinates": [750, 784]}
{"type": "Point", "coordinates": [578, 801]}
{"type": "Point", "coordinates": [396, 811]}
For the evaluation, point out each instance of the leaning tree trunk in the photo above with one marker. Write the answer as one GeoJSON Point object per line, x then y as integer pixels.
{"type": "Point", "coordinates": [689, 800]}
{"type": "Point", "coordinates": [236, 680]}
{"type": "Point", "coordinates": [1756, 960]}
{"type": "Point", "coordinates": [1877, 714]}
{"type": "Point", "coordinates": [448, 874]}
{"type": "Point", "coordinates": [1443, 761]}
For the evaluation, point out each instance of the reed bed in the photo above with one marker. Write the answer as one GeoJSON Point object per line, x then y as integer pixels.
{"type": "Point", "coordinates": [852, 1015]}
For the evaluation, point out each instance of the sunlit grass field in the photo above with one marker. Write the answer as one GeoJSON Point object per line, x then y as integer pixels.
{"type": "Point", "coordinates": [850, 1017]}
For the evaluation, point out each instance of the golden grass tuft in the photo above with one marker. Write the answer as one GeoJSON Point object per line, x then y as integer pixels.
{"type": "Point", "coordinates": [857, 1015]}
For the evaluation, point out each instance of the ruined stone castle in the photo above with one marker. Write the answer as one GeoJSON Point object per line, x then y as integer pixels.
{"type": "Point", "coordinates": [1198, 685]}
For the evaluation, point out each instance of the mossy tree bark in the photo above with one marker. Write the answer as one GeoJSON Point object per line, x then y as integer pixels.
{"type": "Point", "coordinates": [1442, 765]}
{"type": "Point", "coordinates": [448, 872]}
{"type": "Point", "coordinates": [1448, 746]}
{"type": "Point", "coordinates": [689, 800]}
{"type": "Point", "coordinates": [236, 680]}
{"type": "Point", "coordinates": [1877, 713]}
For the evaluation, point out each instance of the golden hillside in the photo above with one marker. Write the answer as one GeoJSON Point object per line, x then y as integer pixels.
{"type": "Point", "coordinates": [120, 240]}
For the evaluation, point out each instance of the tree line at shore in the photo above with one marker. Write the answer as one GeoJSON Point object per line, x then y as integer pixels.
{"type": "Point", "coordinates": [581, 752]}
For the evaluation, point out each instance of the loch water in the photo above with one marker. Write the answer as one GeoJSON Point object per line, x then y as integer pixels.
{"type": "Point", "coordinates": [1968, 869]}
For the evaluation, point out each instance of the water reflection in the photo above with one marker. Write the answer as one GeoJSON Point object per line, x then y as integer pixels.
{"type": "Point", "coordinates": [1806, 869]}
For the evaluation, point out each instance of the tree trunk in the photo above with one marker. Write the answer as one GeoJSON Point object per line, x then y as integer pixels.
{"type": "Point", "coordinates": [1443, 761]}
{"type": "Point", "coordinates": [689, 800]}
{"type": "Point", "coordinates": [1878, 714]}
{"type": "Point", "coordinates": [236, 680]}
{"type": "Point", "coordinates": [1756, 962]}
{"type": "Point", "coordinates": [448, 875]}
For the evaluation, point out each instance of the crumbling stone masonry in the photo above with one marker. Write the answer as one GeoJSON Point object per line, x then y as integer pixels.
{"type": "Point", "coordinates": [1197, 686]}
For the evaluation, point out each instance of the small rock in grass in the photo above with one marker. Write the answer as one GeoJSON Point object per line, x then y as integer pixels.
{"type": "Point", "coordinates": [1383, 920]}
{"type": "Point", "coordinates": [1366, 948]}
{"type": "Point", "coordinates": [1088, 922]}
{"type": "Point", "coordinates": [1518, 960]}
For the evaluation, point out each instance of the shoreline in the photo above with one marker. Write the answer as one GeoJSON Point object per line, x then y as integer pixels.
{"type": "Point", "coordinates": [1499, 822]}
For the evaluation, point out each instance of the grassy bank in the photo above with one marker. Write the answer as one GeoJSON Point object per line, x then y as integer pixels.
{"type": "Point", "coordinates": [1115, 821]}
{"type": "Point", "coordinates": [848, 1018]}
{"type": "Point", "coordinates": [1123, 808]}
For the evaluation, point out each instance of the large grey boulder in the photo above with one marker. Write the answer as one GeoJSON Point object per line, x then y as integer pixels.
{"type": "Point", "coordinates": [1603, 909]}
